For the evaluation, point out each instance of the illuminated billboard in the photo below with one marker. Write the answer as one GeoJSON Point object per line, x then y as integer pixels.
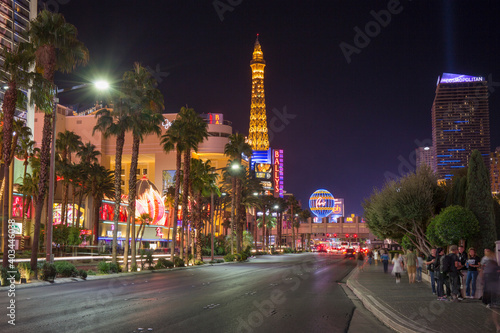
{"type": "Point", "coordinates": [263, 171]}
{"type": "Point", "coordinates": [459, 78]}
{"type": "Point", "coordinates": [338, 210]}
{"type": "Point", "coordinates": [278, 172]}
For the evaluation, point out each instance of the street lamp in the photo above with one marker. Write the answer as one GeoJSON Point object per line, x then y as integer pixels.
{"type": "Point", "coordinates": [100, 85]}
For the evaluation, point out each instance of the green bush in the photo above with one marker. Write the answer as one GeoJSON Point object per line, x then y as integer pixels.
{"type": "Point", "coordinates": [24, 269]}
{"type": "Point", "coordinates": [65, 269]}
{"type": "Point", "coordinates": [178, 262]}
{"type": "Point", "coordinates": [243, 256]}
{"type": "Point", "coordinates": [164, 263]}
{"type": "Point", "coordinates": [133, 268]}
{"type": "Point", "coordinates": [82, 273]}
{"type": "Point", "coordinates": [229, 257]}
{"type": "Point", "coordinates": [103, 267]}
{"type": "Point", "coordinates": [199, 262]}
{"type": "Point", "coordinates": [4, 275]}
{"type": "Point", "coordinates": [216, 261]}
{"type": "Point", "coordinates": [48, 272]}
{"type": "Point", "coordinates": [287, 250]}
{"type": "Point", "coordinates": [114, 268]}
{"type": "Point", "coordinates": [91, 272]}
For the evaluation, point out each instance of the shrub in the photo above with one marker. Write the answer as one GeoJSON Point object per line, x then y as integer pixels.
{"type": "Point", "coordinates": [24, 269]}
{"type": "Point", "coordinates": [178, 262]}
{"type": "Point", "coordinates": [4, 275]}
{"type": "Point", "coordinates": [243, 256]}
{"type": "Point", "coordinates": [103, 267]}
{"type": "Point", "coordinates": [287, 250]}
{"type": "Point", "coordinates": [133, 268]}
{"type": "Point", "coordinates": [114, 268]}
{"type": "Point", "coordinates": [164, 263]}
{"type": "Point", "coordinates": [199, 262]}
{"type": "Point", "coordinates": [229, 257]}
{"type": "Point", "coordinates": [216, 261]}
{"type": "Point", "coordinates": [65, 269]}
{"type": "Point", "coordinates": [91, 272]}
{"type": "Point", "coordinates": [48, 272]}
{"type": "Point", "coordinates": [82, 273]}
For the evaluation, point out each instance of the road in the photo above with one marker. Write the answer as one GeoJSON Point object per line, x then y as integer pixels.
{"type": "Point", "coordinates": [286, 293]}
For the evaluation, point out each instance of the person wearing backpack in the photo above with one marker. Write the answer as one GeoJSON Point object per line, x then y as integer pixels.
{"type": "Point", "coordinates": [431, 261]}
{"type": "Point", "coordinates": [442, 276]}
{"type": "Point", "coordinates": [452, 266]}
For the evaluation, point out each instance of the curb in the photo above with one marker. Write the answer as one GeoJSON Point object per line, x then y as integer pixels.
{"type": "Point", "coordinates": [383, 313]}
{"type": "Point", "coordinates": [106, 276]}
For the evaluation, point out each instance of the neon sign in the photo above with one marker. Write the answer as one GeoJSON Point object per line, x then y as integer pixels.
{"type": "Point", "coordinates": [215, 118]}
{"type": "Point", "coordinates": [278, 173]}
{"type": "Point", "coordinates": [166, 124]}
{"type": "Point", "coordinates": [459, 78]}
{"type": "Point", "coordinates": [321, 203]}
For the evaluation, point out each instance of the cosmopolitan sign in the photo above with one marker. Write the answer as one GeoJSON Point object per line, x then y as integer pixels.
{"type": "Point", "coordinates": [459, 78]}
{"type": "Point", "coordinates": [278, 172]}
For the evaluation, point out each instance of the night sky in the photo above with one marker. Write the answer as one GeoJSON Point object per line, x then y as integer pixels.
{"type": "Point", "coordinates": [347, 124]}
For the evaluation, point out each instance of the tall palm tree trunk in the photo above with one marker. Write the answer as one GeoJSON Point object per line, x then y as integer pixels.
{"type": "Point", "coordinates": [198, 227]}
{"type": "Point", "coordinates": [175, 209]}
{"type": "Point", "coordinates": [8, 108]}
{"type": "Point", "coordinates": [120, 141]}
{"type": "Point", "coordinates": [238, 221]}
{"type": "Point", "coordinates": [42, 185]}
{"type": "Point", "coordinates": [185, 197]}
{"type": "Point", "coordinates": [131, 196]}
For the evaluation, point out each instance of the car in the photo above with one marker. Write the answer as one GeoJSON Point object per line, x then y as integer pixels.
{"type": "Point", "coordinates": [350, 254]}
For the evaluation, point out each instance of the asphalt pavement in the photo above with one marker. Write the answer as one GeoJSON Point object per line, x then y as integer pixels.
{"type": "Point", "coordinates": [285, 293]}
{"type": "Point", "coordinates": [413, 308]}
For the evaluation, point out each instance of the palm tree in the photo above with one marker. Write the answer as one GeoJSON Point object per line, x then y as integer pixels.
{"type": "Point", "coordinates": [294, 207]}
{"type": "Point", "coordinates": [234, 149]}
{"type": "Point", "coordinates": [266, 222]}
{"type": "Point", "coordinates": [146, 104]}
{"type": "Point", "coordinates": [203, 179]}
{"type": "Point", "coordinates": [173, 139]}
{"type": "Point", "coordinates": [282, 207]}
{"type": "Point", "coordinates": [115, 122]}
{"type": "Point", "coordinates": [265, 203]}
{"type": "Point", "coordinates": [304, 214]}
{"type": "Point", "coordinates": [67, 143]}
{"type": "Point", "coordinates": [57, 48]}
{"type": "Point", "coordinates": [88, 156]}
{"type": "Point", "coordinates": [193, 132]}
{"type": "Point", "coordinates": [101, 184]}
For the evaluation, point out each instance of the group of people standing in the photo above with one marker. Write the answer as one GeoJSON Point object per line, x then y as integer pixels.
{"type": "Point", "coordinates": [459, 270]}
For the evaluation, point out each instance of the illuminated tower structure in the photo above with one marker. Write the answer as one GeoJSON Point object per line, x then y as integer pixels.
{"type": "Point", "coordinates": [460, 122]}
{"type": "Point", "coordinates": [258, 136]}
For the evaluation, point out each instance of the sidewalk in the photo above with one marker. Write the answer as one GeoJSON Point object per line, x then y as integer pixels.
{"type": "Point", "coordinates": [413, 308]}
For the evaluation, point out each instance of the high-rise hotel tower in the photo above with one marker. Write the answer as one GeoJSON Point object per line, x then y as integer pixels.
{"type": "Point", "coordinates": [15, 16]}
{"type": "Point", "coordinates": [460, 122]}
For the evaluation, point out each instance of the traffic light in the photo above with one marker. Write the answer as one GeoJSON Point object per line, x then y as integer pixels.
{"type": "Point", "coordinates": [327, 235]}
{"type": "Point", "coordinates": [335, 235]}
{"type": "Point", "coordinates": [346, 235]}
{"type": "Point", "coordinates": [355, 236]}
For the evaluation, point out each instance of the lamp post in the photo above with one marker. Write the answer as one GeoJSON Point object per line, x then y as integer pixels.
{"type": "Point", "coordinates": [100, 85]}
{"type": "Point", "coordinates": [234, 167]}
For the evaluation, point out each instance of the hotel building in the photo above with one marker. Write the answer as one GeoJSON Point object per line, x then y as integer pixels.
{"type": "Point", "coordinates": [460, 122]}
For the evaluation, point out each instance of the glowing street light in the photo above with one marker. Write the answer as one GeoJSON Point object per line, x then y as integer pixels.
{"type": "Point", "coordinates": [101, 85]}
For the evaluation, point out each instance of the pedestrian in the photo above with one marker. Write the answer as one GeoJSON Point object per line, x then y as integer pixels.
{"type": "Point", "coordinates": [376, 256]}
{"type": "Point", "coordinates": [361, 260]}
{"type": "Point", "coordinates": [420, 266]}
{"type": "Point", "coordinates": [370, 256]}
{"type": "Point", "coordinates": [431, 260]}
{"type": "Point", "coordinates": [473, 264]}
{"type": "Point", "coordinates": [489, 268]}
{"type": "Point", "coordinates": [462, 273]}
{"type": "Point", "coordinates": [452, 266]}
{"type": "Point", "coordinates": [411, 264]}
{"type": "Point", "coordinates": [397, 267]}
{"type": "Point", "coordinates": [385, 259]}
{"type": "Point", "coordinates": [441, 276]}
